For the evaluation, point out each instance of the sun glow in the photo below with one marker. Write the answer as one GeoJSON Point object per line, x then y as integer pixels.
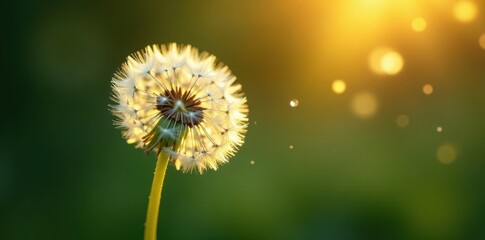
{"type": "Point", "coordinates": [428, 89]}
{"type": "Point", "coordinates": [338, 86]}
{"type": "Point", "coordinates": [385, 61]}
{"type": "Point", "coordinates": [355, 23]}
{"type": "Point", "coordinates": [364, 105]}
{"type": "Point", "coordinates": [481, 41]}
{"type": "Point", "coordinates": [419, 24]}
{"type": "Point", "coordinates": [465, 11]}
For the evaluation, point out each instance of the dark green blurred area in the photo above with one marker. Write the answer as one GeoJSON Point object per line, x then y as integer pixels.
{"type": "Point", "coordinates": [66, 173]}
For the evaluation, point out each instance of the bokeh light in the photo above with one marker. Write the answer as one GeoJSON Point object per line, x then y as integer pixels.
{"type": "Point", "coordinates": [481, 41]}
{"type": "Point", "coordinates": [252, 162]}
{"type": "Point", "coordinates": [402, 120]}
{"type": "Point", "coordinates": [291, 146]}
{"type": "Point", "coordinates": [446, 154]}
{"type": "Point", "coordinates": [294, 103]}
{"type": "Point", "coordinates": [465, 11]}
{"type": "Point", "coordinates": [419, 24]}
{"type": "Point", "coordinates": [364, 105]}
{"type": "Point", "coordinates": [428, 89]}
{"type": "Point", "coordinates": [386, 61]}
{"type": "Point", "coordinates": [439, 129]}
{"type": "Point", "coordinates": [339, 86]}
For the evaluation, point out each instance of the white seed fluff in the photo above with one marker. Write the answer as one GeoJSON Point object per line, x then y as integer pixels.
{"type": "Point", "coordinates": [175, 99]}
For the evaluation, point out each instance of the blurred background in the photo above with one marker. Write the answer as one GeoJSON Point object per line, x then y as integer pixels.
{"type": "Point", "coordinates": [366, 120]}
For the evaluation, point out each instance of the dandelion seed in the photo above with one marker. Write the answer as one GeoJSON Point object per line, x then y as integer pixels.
{"type": "Point", "coordinates": [182, 104]}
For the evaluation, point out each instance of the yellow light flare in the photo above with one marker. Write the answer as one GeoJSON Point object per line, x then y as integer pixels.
{"type": "Point", "coordinates": [481, 41]}
{"type": "Point", "coordinates": [364, 105]}
{"type": "Point", "coordinates": [338, 86]}
{"type": "Point", "coordinates": [428, 89]}
{"type": "Point", "coordinates": [391, 63]}
{"type": "Point", "coordinates": [465, 11]}
{"type": "Point", "coordinates": [294, 103]}
{"type": "Point", "coordinates": [402, 121]}
{"type": "Point", "coordinates": [446, 154]}
{"type": "Point", "coordinates": [439, 129]}
{"type": "Point", "coordinates": [385, 61]}
{"type": "Point", "coordinates": [357, 23]}
{"type": "Point", "coordinates": [419, 24]}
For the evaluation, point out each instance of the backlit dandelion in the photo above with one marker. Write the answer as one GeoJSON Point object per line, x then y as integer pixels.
{"type": "Point", "coordinates": [182, 104]}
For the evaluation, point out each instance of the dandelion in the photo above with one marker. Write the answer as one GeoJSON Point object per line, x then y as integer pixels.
{"type": "Point", "coordinates": [184, 106]}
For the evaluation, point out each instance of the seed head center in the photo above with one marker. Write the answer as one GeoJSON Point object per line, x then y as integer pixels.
{"type": "Point", "coordinates": [180, 106]}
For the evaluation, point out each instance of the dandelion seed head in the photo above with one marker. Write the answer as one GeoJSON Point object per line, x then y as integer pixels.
{"type": "Point", "coordinates": [177, 100]}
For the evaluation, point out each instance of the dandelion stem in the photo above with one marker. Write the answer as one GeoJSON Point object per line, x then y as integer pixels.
{"type": "Point", "coordinates": [155, 197]}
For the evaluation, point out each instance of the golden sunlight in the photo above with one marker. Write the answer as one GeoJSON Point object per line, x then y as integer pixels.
{"type": "Point", "coordinates": [465, 11]}
{"type": "Point", "coordinates": [364, 105]}
{"type": "Point", "coordinates": [419, 24]}
{"type": "Point", "coordinates": [385, 61]}
{"type": "Point", "coordinates": [338, 86]}
{"type": "Point", "coordinates": [481, 41]}
{"type": "Point", "coordinates": [428, 89]}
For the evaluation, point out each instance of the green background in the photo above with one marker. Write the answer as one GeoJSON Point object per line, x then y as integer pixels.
{"type": "Point", "coordinates": [66, 173]}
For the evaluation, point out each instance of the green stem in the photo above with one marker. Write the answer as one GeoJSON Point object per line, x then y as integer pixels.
{"type": "Point", "coordinates": [155, 196]}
